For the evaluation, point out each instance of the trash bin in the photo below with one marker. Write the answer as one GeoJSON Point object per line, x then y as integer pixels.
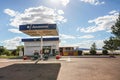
{"type": "Point", "coordinates": [57, 56]}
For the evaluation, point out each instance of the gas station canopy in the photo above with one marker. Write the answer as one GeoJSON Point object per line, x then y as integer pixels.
{"type": "Point", "coordinates": [39, 29]}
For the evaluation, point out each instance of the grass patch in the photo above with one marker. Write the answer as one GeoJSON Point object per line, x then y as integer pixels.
{"type": "Point", "coordinates": [10, 57]}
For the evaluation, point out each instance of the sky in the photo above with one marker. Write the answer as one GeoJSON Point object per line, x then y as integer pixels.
{"type": "Point", "coordinates": [80, 22]}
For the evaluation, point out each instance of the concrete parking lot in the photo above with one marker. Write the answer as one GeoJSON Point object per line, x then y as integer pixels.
{"type": "Point", "coordinates": [78, 68]}
{"type": "Point", "coordinates": [90, 69]}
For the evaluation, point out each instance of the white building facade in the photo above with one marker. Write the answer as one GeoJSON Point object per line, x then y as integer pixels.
{"type": "Point", "coordinates": [51, 45]}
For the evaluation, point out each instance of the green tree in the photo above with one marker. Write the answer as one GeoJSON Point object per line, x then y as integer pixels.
{"type": "Point", "coordinates": [6, 52]}
{"type": "Point", "coordinates": [20, 48]}
{"type": "Point", "coordinates": [2, 49]}
{"type": "Point", "coordinates": [14, 52]}
{"type": "Point", "coordinates": [116, 28]}
{"type": "Point", "coordinates": [114, 42]}
{"type": "Point", "coordinates": [93, 49]}
{"type": "Point", "coordinates": [111, 44]}
{"type": "Point", "coordinates": [116, 31]}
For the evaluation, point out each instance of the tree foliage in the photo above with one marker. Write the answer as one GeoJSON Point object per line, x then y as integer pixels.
{"type": "Point", "coordinates": [14, 53]}
{"type": "Point", "coordinates": [105, 52]}
{"type": "Point", "coordinates": [110, 44]}
{"type": "Point", "coordinates": [7, 52]}
{"type": "Point", "coordinates": [93, 49]}
{"type": "Point", "coordinates": [80, 52]}
{"type": "Point", "coordinates": [116, 28]}
{"type": "Point", "coordinates": [2, 49]}
{"type": "Point", "coordinates": [116, 31]}
{"type": "Point", "coordinates": [114, 42]}
{"type": "Point", "coordinates": [20, 48]}
{"type": "Point", "coordinates": [93, 46]}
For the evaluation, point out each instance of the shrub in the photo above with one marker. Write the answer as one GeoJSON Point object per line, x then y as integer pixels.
{"type": "Point", "coordinates": [14, 53]}
{"type": "Point", "coordinates": [80, 52]}
{"type": "Point", "coordinates": [104, 52]}
{"type": "Point", "coordinates": [7, 53]}
{"type": "Point", "coordinates": [93, 52]}
{"type": "Point", "coordinates": [86, 54]}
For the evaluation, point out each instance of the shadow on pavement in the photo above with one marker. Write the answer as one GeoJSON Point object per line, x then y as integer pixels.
{"type": "Point", "coordinates": [48, 71]}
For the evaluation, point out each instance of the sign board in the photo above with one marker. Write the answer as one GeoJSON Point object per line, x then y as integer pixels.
{"type": "Point", "coordinates": [39, 29]}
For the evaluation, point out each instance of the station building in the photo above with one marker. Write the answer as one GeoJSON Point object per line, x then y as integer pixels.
{"type": "Point", "coordinates": [49, 45]}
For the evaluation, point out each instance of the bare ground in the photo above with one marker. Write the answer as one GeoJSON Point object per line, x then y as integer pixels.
{"type": "Point", "coordinates": [75, 68]}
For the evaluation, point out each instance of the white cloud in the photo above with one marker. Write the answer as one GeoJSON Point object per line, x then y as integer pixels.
{"type": "Point", "coordinates": [109, 31]}
{"type": "Point", "coordinates": [93, 2]}
{"type": "Point", "coordinates": [84, 44]}
{"type": "Point", "coordinates": [63, 42]}
{"type": "Point", "coordinates": [88, 29]}
{"type": "Point", "coordinates": [78, 29]}
{"type": "Point", "coordinates": [63, 36]}
{"type": "Point", "coordinates": [68, 45]}
{"type": "Point", "coordinates": [88, 43]}
{"type": "Point", "coordinates": [113, 12]}
{"type": "Point", "coordinates": [10, 12]}
{"type": "Point", "coordinates": [86, 37]}
{"type": "Point", "coordinates": [99, 43]}
{"type": "Point", "coordinates": [60, 12]}
{"type": "Point", "coordinates": [59, 2]}
{"type": "Point", "coordinates": [36, 15]}
{"type": "Point", "coordinates": [14, 30]}
{"type": "Point", "coordinates": [101, 23]}
{"type": "Point", "coordinates": [65, 2]}
{"type": "Point", "coordinates": [12, 43]}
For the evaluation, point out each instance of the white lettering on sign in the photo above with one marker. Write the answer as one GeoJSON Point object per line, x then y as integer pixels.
{"type": "Point", "coordinates": [39, 27]}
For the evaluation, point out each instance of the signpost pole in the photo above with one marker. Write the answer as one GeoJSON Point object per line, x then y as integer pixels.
{"type": "Point", "coordinates": [41, 50]}
{"type": "Point", "coordinates": [41, 47]}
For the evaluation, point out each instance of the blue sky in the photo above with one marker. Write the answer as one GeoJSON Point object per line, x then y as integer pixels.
{"type": "Point", "coordinates": [80, 22]}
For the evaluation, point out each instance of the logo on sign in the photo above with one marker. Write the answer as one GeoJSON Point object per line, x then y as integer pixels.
{"type": "Point", "coordinates": [28, 27]}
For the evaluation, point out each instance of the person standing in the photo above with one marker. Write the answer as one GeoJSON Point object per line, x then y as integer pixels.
{"type": "Point", "coordinates": [41, 54]}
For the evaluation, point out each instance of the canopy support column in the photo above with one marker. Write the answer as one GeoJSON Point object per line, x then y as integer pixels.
{"type": "Point", "coordinates": [41, 50]}
{"type": "Point", "coordinates": [41, 47]}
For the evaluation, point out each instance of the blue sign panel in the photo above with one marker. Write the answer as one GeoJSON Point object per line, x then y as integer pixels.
{"type": "Point", "coordinates": [37, 26]}
{"type": "Point", "coordinates": [39, 39]}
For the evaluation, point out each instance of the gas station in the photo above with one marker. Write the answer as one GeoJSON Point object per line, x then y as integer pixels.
{"type": "Point", "coordinates": [42, 43]}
